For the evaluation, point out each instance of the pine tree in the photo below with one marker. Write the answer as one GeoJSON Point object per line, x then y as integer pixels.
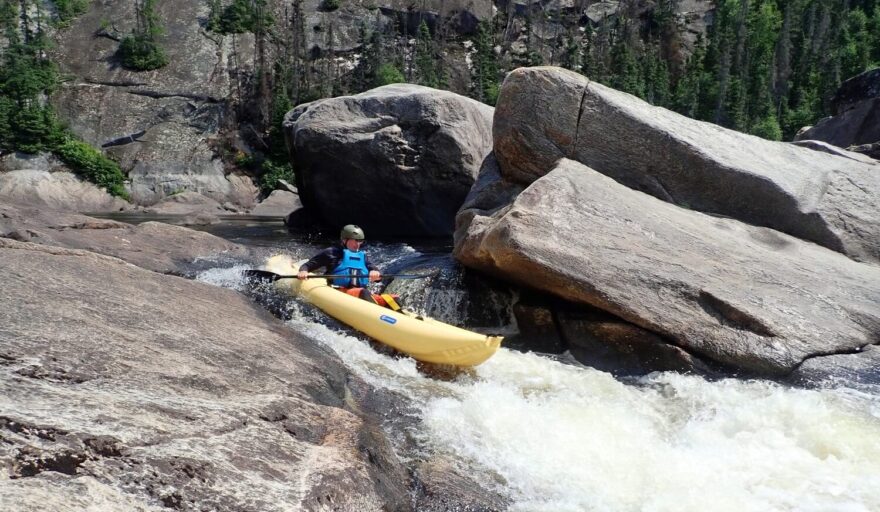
{"type": "Point", "coordinates": [626, 73]}
{"type": "Point", "coordinates": [141, 51]}
{"type": "Point", "coordinates": [426, 58]}
{"type": "Point", "coordinates": [485, 66]}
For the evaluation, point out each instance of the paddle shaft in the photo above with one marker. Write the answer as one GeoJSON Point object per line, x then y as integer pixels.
{"type": "Point", "coordinates": [265, 274]}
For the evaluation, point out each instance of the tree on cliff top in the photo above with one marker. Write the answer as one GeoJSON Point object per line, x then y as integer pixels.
{"type": "Point", "coordinates": [141, 50]}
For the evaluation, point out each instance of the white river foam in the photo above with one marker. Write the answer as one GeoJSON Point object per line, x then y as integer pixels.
{"type": "Point", "coordinates": [555, 437]}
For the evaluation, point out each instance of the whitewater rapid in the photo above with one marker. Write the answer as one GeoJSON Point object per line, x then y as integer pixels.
{"type": "Point", "coordinates": [559, 437]}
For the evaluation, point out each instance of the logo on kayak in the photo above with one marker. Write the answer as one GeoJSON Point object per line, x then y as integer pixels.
{"type": "Point", "coordinates": [390, 319]}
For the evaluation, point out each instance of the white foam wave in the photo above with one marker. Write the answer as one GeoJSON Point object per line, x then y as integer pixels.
{"type": "Point", "coordinates": [564, 438]}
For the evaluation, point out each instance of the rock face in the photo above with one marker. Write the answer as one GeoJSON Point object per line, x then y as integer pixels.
{"type": "Point", "coordinates": [862, 87]}
{"type": "Point", "coordinates": [24, 161]}
{"type": "Point", "coordinates": [744, 296]}
{"type": "Point", "coordinates": [397, 160]}
{"type": "Point", "coordinates": [544, 114]}
{"type": "Point", "coordinates": [130, 390]}
{"type": "Point", "coordinates": [280, 203]}
{"type": "Point", "coordinates": [57, 190]}
{"type": "Point", "coordinates": [160, 124]}
{"type": "Point", "coordinates": [856, 121]}
{"type": "Point", "coordinates": [151, 245]}
{"type": "Point", "coordinates": [861, 367]}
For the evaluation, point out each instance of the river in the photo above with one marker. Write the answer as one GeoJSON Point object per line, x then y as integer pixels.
{"type": "Point", "coordinates": [552, 435]}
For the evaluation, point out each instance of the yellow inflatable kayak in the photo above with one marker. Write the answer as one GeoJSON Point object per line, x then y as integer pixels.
{"type": "Point", "coordinates": [423, 339]}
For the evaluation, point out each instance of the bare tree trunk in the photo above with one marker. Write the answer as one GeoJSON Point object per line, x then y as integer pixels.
{"type": "Point", "coordinates": [25, 23]}
{"type": "Point", "coordinates": [262, 73]}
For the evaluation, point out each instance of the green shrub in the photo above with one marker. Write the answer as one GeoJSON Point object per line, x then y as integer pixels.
{"type": "Point", "coordinates": [31, 129]}
{"type": "Point", "coordinates": [141, 53]}
{"type": "Point", "coordinates": [767, 128]}
{"type": "Point", "coordinates": [245, 160]}
{"type": "Point", "coordinates": [330, 5]}
{"type": "Point", "coordinates": [69, 9]}
{"type": "Point", "coordinates": [272, 172]}
{"type": "Point", "coordinates": [238, 17]}
{"type": "Point", "coordinates": [93, 165]}
{"type": "Point", "coordinates": [388, 74]}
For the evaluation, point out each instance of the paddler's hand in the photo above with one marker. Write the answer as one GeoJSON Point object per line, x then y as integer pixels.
{"type": "Point", "coordinates": [302, 274]}
{"type": "Point", "coordinates": [375, 276]}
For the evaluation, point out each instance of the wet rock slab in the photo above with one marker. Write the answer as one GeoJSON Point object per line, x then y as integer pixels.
{"type": "Point", "coordinates": [150, 245]}
{"type": "Point", "coordinates": [137, 391]}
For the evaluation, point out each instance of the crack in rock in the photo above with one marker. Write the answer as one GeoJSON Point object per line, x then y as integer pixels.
{"type": "Point", "coordinates": [160, 95]}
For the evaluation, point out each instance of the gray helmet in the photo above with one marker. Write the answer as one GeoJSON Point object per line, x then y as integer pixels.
{"type": "Point", "coordinates": [353, 232]}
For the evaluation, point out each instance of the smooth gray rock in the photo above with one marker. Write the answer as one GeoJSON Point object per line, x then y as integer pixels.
{"type": "Point", "coordinates": [861, 367]}
{"type": "Point", "coordinates": [57, 190]}
{"type": "Point", "coordinates": [544, 114]}
{"type": "Point", "coordinates": [869, 150]}
{"type": "Point", "coordinates": [743, 296]}
{"type": "Point", "coordinates": [25, 161]}
{"type": "Point", "coordinates": [854, 90]}
{"type": "Point", "coordinates": [858, 125]}
{"type": "Point", "coordinates": [851, 153]}
{"type": "Point", "coordinates": [489, 194]}
{"type": "Point", "coordinates": [186, 203]}
{"type": "Point", "coordinates": [124, 389]}
{"type": "Point", "coordinates": [150, 245]}
{"type": "Point", "coordinates": [280, 203]}
{"type": "Point", "coordinates": [397, 160]}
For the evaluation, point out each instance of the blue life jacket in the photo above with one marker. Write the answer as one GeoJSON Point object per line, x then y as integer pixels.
{"type": "Point", "coordinates": [354, 264]}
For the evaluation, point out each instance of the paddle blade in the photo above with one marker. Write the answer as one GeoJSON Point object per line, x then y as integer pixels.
{"type": "Point", "coordinates": [263, 275]}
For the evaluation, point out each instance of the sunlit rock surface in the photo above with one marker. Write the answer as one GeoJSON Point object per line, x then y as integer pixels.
{"type": "Point", "coordinates": [544, 114]}
{"type": "Point", "coordinates": [745, 296]}
{"type": "Point", "coordinates": [280, 203]}
{"type": "Point", "coordinates": [139, 390]}
{"type": "Point", "coordinates": [397, 160]}
{"type": "Point", "coordinates": [151, 245]}
{"type": "Point", "coordinates": [56, 190]}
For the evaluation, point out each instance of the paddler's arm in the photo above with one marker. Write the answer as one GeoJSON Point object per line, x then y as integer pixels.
{"type": "Point", "coordinates": [323, 259]}
{"type": "Point", "coordinates": [375, 275]}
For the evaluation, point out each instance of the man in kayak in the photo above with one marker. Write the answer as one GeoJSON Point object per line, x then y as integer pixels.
{"type": "Point", "coordinates": [347, 259]}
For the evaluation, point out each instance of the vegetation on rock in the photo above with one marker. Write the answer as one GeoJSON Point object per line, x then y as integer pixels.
{"type": "Point", "coordinates": [69, 9]}
{"type": "Point", "coordinates": [27, 121]}
{"type": "Point", "coordinates": [238, 17]}
{"type": "Point", "coordinates": [93, 165]}
{"type": "Point", "coordinates": [329, 5]}
{"type": "Point", "coordinates": [141, 51]}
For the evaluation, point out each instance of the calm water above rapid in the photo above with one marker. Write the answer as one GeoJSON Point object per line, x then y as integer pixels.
{"type": "Point", "coordinates": [561, 437]}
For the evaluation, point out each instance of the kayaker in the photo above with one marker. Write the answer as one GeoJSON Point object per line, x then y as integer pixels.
{"type": "Point", "coordinates": [347, 259]}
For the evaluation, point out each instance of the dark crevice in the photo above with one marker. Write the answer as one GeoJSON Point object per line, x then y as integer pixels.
{"type": "Point", "coordinates": [702, 364]}
{"type": "Point", "coordinates": [121, 83]}
{"type": "Point", "coordinates": [577, 126]}
{"type": "Point", "coordinates": [731, 316]}
{"type": "Point", "coordinates": [45, 433]}
{"type": "Point", "coordinates": [52, 374]}
{"type": "Point", "coordinates": [846, 352]}
{"type": "Point", "coordinates": [124, 140]}
{"type": "Point", "coordinates": [93, 225]}
{"type": "Point", "coordinates": [27, 463]}
{"type": "Point", "coordinates": [73, 451]}
{"type": "Point", "coordinates": [159, 95]}
{"type": "Point", "coordinates": [661, 188]}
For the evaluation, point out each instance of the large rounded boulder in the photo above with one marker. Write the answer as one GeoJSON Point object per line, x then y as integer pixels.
{"type": "Point", "coordinates": [544, 114]}
{"type": "Point", "coordinates": [856, 121]}
{"type": "Point", "coordinates": [398, 160]}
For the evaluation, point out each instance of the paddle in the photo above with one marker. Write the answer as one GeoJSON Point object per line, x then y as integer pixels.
{"type": "Point", "coordinates": [272, 276]}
